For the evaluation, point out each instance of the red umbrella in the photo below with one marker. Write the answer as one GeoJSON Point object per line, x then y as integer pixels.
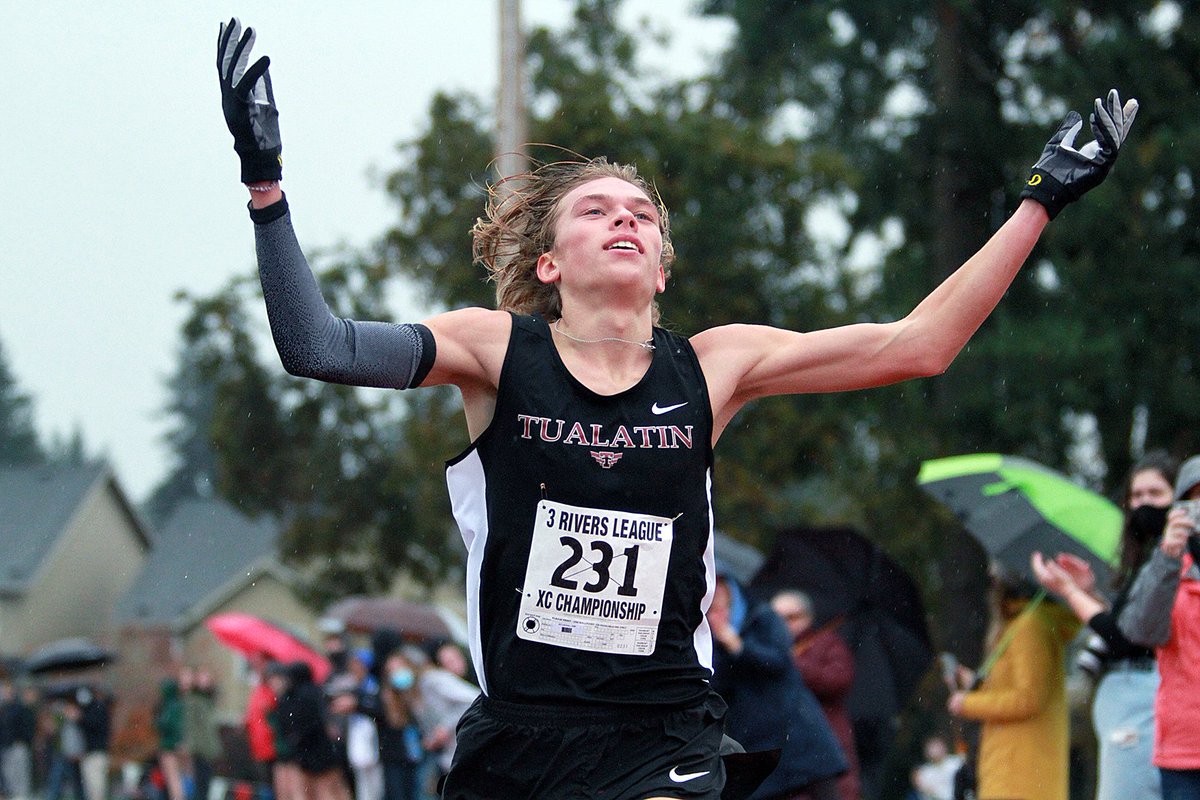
{"type": "Point", "coordinates": [248, 634]}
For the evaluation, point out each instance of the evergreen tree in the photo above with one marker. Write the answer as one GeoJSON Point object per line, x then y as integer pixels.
{"type": "Point", "coordinates": [19, 444]}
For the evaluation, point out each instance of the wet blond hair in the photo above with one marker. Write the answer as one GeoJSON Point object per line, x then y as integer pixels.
{"type": "Point", "coordinates": [518, 227]}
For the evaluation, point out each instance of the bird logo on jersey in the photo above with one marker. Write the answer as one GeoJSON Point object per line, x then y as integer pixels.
{"type": "Point", "coordinates": [606, 459]}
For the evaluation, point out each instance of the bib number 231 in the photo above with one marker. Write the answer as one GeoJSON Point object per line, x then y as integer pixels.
{"type": "Point", "coordinates": [595, 579]}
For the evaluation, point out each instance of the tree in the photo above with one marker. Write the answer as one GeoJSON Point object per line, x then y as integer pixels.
{"type": "Point", "coordinates": [941, 107]}
{"type": "Point", "coordinates": [19, 444]}
{"type": "Point", "coordinates": [227, 413]}
{"type": "Point", "coordinates": [343, 469]}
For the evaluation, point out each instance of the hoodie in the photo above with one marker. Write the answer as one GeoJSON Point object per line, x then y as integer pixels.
{"type": "Point", "coordinates": [1022, 703]}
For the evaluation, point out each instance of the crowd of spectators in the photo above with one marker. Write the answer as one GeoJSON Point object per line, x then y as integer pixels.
{"type": "Point", "coordinates": [54, 740]}
{"type": "Point", "coordinates": [380, 727]}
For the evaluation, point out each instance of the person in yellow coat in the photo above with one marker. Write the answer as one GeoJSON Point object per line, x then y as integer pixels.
{"type": "Point", "coordinates": [1022, 700]}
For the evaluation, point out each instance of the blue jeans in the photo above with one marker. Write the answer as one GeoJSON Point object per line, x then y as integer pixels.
{"type": "Point", "coordinates": [1180, 784]}
{"type": "Point", "coordinates": [64, 770]}
{"type": "Point", "coordinates": [1123, 716]}
{"type": "Point", "coordinates": [401, 780]}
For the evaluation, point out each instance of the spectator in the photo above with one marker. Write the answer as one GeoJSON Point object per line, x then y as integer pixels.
{"type": "Point", "coordinates": [399, 731]}
{"type": "Point", "coordinates": [168, 724]}
{"type": "Point", "coordinates": [769, 705]}
{"type": "Point", "coordinates": [827, 666]}
{"type": "Point", "coordinates": [6, 693]}
{"type": "Point", "coordinates": [303, 727]}
{"type": "Point", "coordinates": [934, 779]}
{"type": "Point", "coordinates": [95, 722]}
{"type": "Point", "coordinates": [286, 777]}
{"type": "Point", "coordinates": [337, 650]}
{"type": "Point", "coordinates": [47, 715]}
{"type": "Point", "coordinates": [67, 751]}
{"type": "Point", "coordinates": [450, 656]}
{"type": "Point", "coordinates": [1022, 699]}
{"type": "Point", "coordinates": [18, 723]}
{"type": "Point", "coordinates": [201, 737]}
{"type": "Point", "coordinates": [1164, 612]}
{"type": "Point", "coordinates": [260, 735]}
{"type": "Point", "coordinates": [445, 697]}
{"type": "Point", "coordinates": [1123, 707]}
{"type": "Point", "coordinates": [362, 736]}
{"type": "Point", "coordinates": [336, 647]}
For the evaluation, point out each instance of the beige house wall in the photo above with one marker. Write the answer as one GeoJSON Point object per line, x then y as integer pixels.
{"type": "Point", "coordinates": [93, 564]}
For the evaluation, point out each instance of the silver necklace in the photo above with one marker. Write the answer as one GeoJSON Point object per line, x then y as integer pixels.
{"type": "Point", "coordinates": [646, 345]}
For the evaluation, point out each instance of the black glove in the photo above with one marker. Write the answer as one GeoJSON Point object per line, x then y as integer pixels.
{"type": "Point", "coordinates": [1063, 174]}
{"type": "Point", "coordinates": [249, 105]}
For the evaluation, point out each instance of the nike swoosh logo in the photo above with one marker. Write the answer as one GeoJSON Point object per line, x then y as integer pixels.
{"type": "Point", "coordinates": [657, 409]}
{"type": "Point", "coordinates": [684, 777]}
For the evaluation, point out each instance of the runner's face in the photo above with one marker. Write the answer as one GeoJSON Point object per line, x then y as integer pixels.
{"type": "Point", "coordinates": [1149, 488]}
{"type": "Point", "coordinates": [607, 231]}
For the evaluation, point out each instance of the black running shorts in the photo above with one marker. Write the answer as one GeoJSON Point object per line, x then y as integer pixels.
{"type": "Point", "coordinates": [509, 751]}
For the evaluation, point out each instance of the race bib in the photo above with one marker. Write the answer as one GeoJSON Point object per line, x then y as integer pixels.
{"type": "Point", "coordinates": [595, 579]}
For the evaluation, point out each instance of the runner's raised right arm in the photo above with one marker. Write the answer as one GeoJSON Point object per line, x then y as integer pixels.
{"type": "Point", "coordinates": [463, 347]}
{"type": "Point", "coordinates": [311, 341]}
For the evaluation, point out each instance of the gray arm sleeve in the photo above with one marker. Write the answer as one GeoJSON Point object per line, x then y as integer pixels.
{"type": "Point", "coordinates": [311, 341]}
{"type": "Point", "coordinates": [1146, 617]}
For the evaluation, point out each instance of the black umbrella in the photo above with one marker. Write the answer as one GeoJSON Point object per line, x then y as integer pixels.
{"type": "Point", "coordinates": [66, 690]}
{"type": "Point", "coordinates": [67, 655]}
{"type": "Point", "coordinates": [874, 603]}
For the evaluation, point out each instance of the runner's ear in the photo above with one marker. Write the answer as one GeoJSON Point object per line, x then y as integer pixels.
{"type": "Point", "coordinates": [546, 269]}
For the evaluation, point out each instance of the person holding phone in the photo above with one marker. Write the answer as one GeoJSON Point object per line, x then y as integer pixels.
{"type": "Point", "coordinates": [1164, 612]}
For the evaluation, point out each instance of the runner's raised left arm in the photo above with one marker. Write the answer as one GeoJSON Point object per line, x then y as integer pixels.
{"type": "Point", "coordinates": [743, 362]}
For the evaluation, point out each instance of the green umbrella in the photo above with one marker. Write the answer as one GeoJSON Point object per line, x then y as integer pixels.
{"type": "Point", "coordinates": [1015, 507]}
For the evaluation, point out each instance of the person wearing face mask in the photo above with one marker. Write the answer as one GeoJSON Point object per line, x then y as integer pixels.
{"type": "Point", "coordinates": [1123, 706]}
{"type": "Point", "coordinates": [1164, 612]}
{"type": "Point", "coordinates": [400, 749]}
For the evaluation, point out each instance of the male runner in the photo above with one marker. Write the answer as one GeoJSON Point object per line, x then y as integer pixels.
{"type": "Point", "coordinates": [584, 499]}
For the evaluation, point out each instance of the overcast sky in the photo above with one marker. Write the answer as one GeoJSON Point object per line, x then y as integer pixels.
{"type": "Point", "coordinates": [119, 182]}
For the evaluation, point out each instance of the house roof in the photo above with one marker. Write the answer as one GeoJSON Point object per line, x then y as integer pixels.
{"type": "Point", "coordinates": [36, 505]}
{"type": "Point", "coordinates": [205, 546]}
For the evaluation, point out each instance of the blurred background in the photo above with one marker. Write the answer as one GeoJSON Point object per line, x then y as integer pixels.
{"type": "Point", "coordinates": [824, 162]}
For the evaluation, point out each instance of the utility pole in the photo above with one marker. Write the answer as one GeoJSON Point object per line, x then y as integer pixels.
{"type": "Point", "coordinates": [511, 124]}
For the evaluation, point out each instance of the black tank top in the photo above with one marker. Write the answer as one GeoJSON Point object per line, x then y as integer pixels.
{"type": "Point", "coordinates": [589, 529]}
